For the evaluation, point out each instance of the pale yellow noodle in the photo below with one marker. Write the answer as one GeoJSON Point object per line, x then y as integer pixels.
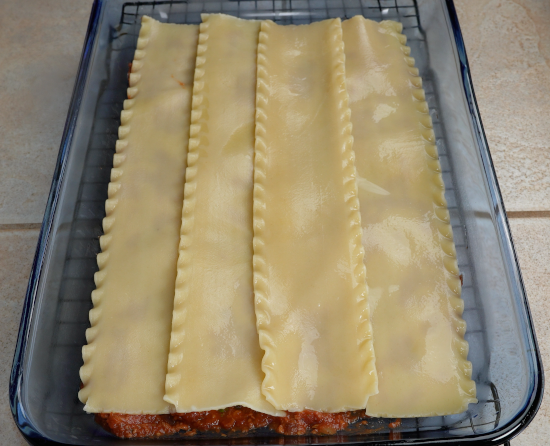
{"type": "Point", "coordinates": [125, 359]}
{"type": "Point", "coordinates": [410, 256]}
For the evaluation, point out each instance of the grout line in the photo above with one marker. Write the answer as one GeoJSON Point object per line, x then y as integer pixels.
{"type": "Point", "coordinates": [19, 226]}
{"type": "Point", "coordinates": [528, 214]}
{"type": "Point", "coordinates": [510, 214]}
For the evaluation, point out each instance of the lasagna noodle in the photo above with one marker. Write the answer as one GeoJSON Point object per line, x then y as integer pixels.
{"type": "Point", "coordinates": [410, 256]}
{"type": "Point", "coordinates": [215, 355]}
{"type": "Point", "coordinates": [310, 290]}
{"type": "Point", "coordinates": [127, 345]}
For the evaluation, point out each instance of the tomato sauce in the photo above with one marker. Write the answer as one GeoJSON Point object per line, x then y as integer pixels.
{"type": "Point", "coordinates": [232, 419]}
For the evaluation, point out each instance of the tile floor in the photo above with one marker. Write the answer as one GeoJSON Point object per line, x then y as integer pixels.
{"type": "Point", "coordinates": [508, 44]}
{"type": "Point", "coordinates": [40, 43]}
{"type": "Point", "coordinates": [533, 249]}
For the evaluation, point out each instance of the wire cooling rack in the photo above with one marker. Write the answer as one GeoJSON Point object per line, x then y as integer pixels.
{"type": "Point", "coordinates": [83, 245]}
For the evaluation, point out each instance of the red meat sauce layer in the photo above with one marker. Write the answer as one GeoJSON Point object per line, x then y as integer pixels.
{"type": "Point", "coordinates": [232, 419]}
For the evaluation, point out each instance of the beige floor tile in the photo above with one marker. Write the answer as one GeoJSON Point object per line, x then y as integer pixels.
{"type": "Point", "coordinates": [533, 248]}
{"type": "Point", "coordinates": [508, 46]}
{"type": "Point", "coordinates": [40, 45]}
{"type": "Point", "coordinates": [16, 255]}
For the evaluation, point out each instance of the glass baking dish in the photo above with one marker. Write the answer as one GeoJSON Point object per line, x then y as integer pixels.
{"type": "Point", "coordinates": [503, 350]}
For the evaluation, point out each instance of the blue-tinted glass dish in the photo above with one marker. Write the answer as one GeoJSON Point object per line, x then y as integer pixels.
{"type": "Point", "coordinates": [503, 349]}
